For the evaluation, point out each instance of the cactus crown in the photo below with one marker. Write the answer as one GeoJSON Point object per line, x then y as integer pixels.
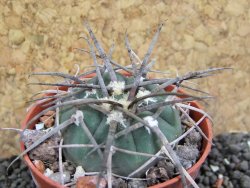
{"type": "Point", "coordinates": [118, 121]}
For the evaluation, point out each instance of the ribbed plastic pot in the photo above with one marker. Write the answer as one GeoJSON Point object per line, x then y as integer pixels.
{"type": "Point", "coordinates": [45, 182]}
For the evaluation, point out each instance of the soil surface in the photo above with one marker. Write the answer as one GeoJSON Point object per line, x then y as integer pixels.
{"type": "Point", "coordinates": [37, 36]}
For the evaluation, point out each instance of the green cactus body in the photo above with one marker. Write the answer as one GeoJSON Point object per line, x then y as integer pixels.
{"type": "Point", "coordinates": [139, 140]}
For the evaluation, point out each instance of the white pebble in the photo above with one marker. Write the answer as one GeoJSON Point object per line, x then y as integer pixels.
{"type": "Point", "coordinates": [79, 172]}
{"type": "Point", "coordinates": [48, 172]}
{"type": "Point", "coordinates": [56, 177]}
{"type": "Point", "coordinates": [39, 126]}
{"type": "Point", "coordinates": [214, 168]}
{"type": "Point", "coordinates": [226, 161]}
{"type": "Point", "coordinates": [220, 176]}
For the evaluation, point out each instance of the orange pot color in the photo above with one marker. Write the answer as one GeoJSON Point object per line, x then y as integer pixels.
{"type": "Point", "coordinates": [45, 182]}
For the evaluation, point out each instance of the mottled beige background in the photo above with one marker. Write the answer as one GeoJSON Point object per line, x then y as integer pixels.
{"type": "Point", "coordinates": [41, 35]}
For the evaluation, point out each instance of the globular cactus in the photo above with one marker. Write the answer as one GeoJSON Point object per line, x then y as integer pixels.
{"type": "Point", "coordinates": [139, 140]}
{"type": "Point", "coordinates": [117, 124]}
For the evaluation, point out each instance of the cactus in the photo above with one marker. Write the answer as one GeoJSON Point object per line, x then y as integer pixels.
{"type": "Point", "coordinates": [118, 124]}
{"type": "Point", "coordinates": [139, 140]}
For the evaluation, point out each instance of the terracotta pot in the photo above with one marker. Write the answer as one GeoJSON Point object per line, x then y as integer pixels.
{"type": "Point", "coordinates": [45, 182]}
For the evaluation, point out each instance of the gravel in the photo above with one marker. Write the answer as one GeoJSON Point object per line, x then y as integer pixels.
{"type": "Point", "coordinates": [18, 175]}
{"type": "Point", "coordinates": [230, 160]}
{"type": "Point", "coordinates": [228, 164]}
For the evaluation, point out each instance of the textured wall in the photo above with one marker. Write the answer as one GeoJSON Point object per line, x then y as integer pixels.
{"type": "Point", "coordinates": [37, 36]}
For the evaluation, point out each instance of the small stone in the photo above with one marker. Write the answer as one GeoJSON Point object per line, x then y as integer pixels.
{"type": "Point", "coordinates": [213, 179]}
{"type": "Point", "coordinates": [90, 182]}
{"type": "Point", "coordinates": [12, 176]}
{"type": "Point", "coordinates": [226, 161]}
{"type": "Point", "coordinates": [48, 172]}
{"type": "Point", "coordinates": [57, 176]}
{"type": "Point", "coordinates": [55, 166]}
{"type": "Point", "coordinates": [248, 143]}
{"type": "Point", "coordinates": [69, 167]}
{"type": "Point", "coordinates": [17, 170]}
{"type": "Point", "coordinates": [222, 169]}
{"type": "Point", "coordinates": [243, 166]}
{"type": "Point", "coordinates": [16, 37]}
{"type": "Point", "coordinates": [13, 185]}
{"type": "Point", "coordinates": [219, 146]}
{"type": "Point", "coordinates": [79, 172]}
{"type": "Point", "coordinates": [214, 168]}
{"type": "Point", "coordinates": [169, 166]}
{"type": "Point", "coordinates": [22, 184]}
{"type": "Point", "coordinates": [247, 156]}
{"type": "Point", "coordinates": [215, 153]}
{"type": "Point", "coordinates": [245, 181]}
{"type": "Point", "coordinates": [2, 170]}
{"type": "Point", "coordinates": [5, 163]}
{"type": "Point", "coordinates": [193, 138]}
{"type": "Point", "coordinates": [236, 174]}
{"type": "Point", "coordinates": [231, 166]}
{"type": "Point", "coordinates": [234, 149]}
{"type": "Point", "coordinates": [45, 152]}
{"type": "Point", "coordinates": [235, 159]}
{"type": "Point", "coordinates": [156, 175]}
{"type": "Point", "coordinates": [119, 182]}
{"type": "Point", "coordinates": [136, 184]}
{"type": "Point", "coordinates": [47, 120]}
{"type": "Point", "coordinates": [187, 155]}
{"type": "Point", "coordinates": [218, 182]}
{"type": "Point", "coordinates": [29, 136]}
{"type": "Point", "coordinates": [39, 126]}
{"type": "Point", "coordinates": [25, 176]}
{"type": "Point", "coordinates": [39, 165]}
{"type": "Point", "coordinates": [209, 174]}
{"type": "Point", "coordinates": [206, 181]}
{"type": "Point", "coordinates": [206, 167]}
